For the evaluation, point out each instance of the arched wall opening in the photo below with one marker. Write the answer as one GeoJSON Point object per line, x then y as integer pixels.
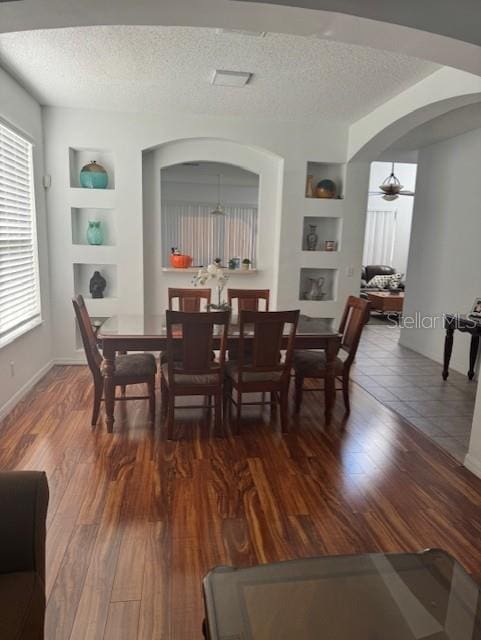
{"type": "Point", "coordinates": [269, 168]}
{"type": "Point", "coordinates": [443, 252]}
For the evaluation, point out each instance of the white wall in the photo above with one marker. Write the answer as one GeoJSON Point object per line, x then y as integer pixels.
{"type": "Point", "coordinates": [444, 266]}
{"type": "Point", "coordinates": [403, 206]}
{"type": "Point", "coordinates": [30, 353]}
{"type": "Point", "coordinates": [277, 151]}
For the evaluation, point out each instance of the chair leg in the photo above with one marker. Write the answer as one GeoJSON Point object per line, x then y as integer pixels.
{"type": "Point", "coordinates": [170, 415]}
{"type": "Point", "coordinates": [345, 392]}
{"type": "Point", "coordinates": [274, 400]}
{"type": "Point", "coordinates": [238, 411]}
{"type": "Point", "coordinates": [151, 385]}
{"type": "Point", "coordinates": [98, 389]}
{"type": "Point", "coordinates": [218, 413]}
{"type": "Point", "coordinates": [164, 397]}
{"type": "Point", "coordinates": [299, 384]}
{"type": "Point", "coordinates": [284, 398]}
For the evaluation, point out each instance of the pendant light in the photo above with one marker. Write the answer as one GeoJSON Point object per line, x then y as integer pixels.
{"type": "Point", "coordinates": [391, 186]}
{"type": "Point", "coordinates": [219, 209]}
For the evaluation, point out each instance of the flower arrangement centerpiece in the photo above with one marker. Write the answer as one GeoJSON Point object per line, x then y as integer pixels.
{"type": "Point", "coordinates": [217, 274]}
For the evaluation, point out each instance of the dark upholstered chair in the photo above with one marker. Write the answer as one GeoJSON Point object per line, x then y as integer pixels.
{"type": "Point", "coordinates": [190, 369]}
{"type": "Point", "coordinates": [260, 367]}
{"type": "Point", "coordinates": [133, 368]}
{"type": "Point", "coordinates": [23, 511]}
{"type": "Point", "coordinates": [312, 364]}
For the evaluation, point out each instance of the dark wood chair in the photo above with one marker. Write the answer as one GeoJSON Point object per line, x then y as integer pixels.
{"type": "Point", "coordinates": [312, 364]}
{"type": "Point", "coordinates": [190, 369]}
{"type": "Point", "coordinates": [134, 368]}
{"type": "Point", "coordinates": [188, 300]}
{"type": "Point", "coordinates": [248, 299]}
{"type": "Point", "coordinates": [260, 367]}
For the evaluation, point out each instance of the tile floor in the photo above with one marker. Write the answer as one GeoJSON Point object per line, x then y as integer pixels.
{"type": "Point", "coordinates": [412, 385]}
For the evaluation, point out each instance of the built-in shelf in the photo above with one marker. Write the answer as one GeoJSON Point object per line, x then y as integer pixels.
{"type": "Point", "coordinates": [82, 273]}
{"type": "Point", "coordinates": [230, 272]}
{"type": "Point", "coordinates": [320, 281]}
{"type": "Point", "coordinates": [313, 309]}
{"type": "Point", "coordinates": [327, 170]}
{"type": "Point", "coordinates": [81, 216]}
{"type": "Point", "coordinates": [327, 230]}
{"type": "Point", "coordinates": [323, 207]}
{"type": "Point", "coordinates": [91, 198]}
{"type": "Point", "coordinates": [80, 157]}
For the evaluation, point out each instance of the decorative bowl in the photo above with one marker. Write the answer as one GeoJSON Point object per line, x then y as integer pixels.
{"type": "Point", "coordinates": [326, 189]}
{"type": "Point", "coordinates": [179, 261]}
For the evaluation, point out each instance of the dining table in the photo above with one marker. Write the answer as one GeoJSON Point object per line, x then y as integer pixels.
{"type": "Point", "coordinates": [148, 332]}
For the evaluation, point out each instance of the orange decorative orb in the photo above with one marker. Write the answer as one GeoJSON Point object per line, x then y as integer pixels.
{"type": "Point", "coordinates": [180, 261]}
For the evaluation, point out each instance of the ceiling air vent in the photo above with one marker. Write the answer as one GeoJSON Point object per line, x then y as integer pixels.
{"type": "Point", "coordinates": [231, 78]}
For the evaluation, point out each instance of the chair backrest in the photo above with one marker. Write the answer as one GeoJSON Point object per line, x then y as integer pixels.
{"type": "Point", "coordinates": [89, 340]}
{"type": "Point", "coordinates": [190, 342]}
{"type": "Point", "coordinates": [261, 337]}
{"type": "Point", "coordinates": [188, 299]}
{"type": "Point", "coordinates": [354, 317]}
{"type": "Point", "coordinates": [248, 299]}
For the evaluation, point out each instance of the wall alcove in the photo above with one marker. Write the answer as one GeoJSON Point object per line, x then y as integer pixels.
{"type": "Point", "coordinates": [269, 169]}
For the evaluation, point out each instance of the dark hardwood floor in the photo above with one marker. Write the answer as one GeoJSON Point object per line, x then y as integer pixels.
{"type": "Point", "coordinates": [136, 521]}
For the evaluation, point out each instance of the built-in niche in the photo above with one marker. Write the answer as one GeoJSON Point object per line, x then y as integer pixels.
{"type": "Point", "coordinates": [80, 218]}
{"type": "Point", "coordinates": [78, 158]}
{"type": "Point", "coordinates": [209, 210]}
{"type": "Point", "coordinates": [321, 234]}
{"type": "Point", "coordinates": [318, 285]}
{"type": "Point", "coordinates": [82, 273]}
{"type": "Point", "coordinates": [317, 171]}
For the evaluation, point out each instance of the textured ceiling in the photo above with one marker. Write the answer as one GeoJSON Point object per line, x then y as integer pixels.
{"type": "Point", "coordinates": [158, 69]}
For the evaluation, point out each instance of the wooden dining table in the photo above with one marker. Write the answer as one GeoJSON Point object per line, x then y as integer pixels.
{"type": "Point", "coordinates": [124, 333]}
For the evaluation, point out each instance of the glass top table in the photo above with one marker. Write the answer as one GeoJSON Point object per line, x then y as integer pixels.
{"type": "Point", "coordinates": [399, 596]}
{"type": "Point", "coordinates": [124, 333]}
{"type": "Point", "coordinates": [154, 326]}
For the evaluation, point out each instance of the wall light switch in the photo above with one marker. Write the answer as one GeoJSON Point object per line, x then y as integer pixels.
{"type": "Point", "coordinates": [47, 181]}
{"type": "Point", "coordinates": [349, 272]}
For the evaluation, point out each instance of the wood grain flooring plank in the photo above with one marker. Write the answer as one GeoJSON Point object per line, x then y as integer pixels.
{"type": "Point", "coordinates": [135, 521]}
{"type": "Point", "coordinates": [122, 620]}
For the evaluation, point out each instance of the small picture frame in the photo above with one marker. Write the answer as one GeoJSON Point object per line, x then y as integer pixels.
{"type": "Point", "coordinates": [476, 308]}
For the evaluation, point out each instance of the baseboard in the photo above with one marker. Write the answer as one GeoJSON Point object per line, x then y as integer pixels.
{"type": "Point", "coordinates": [473, 465]}
{"type": "Point", "coordinates": [15, 399]}
{"type": "Point", "coordinates": [70, 361]}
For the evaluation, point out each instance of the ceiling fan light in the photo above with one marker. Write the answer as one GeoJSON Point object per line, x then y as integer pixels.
{"type": "Point", "coordinates": [218, 211]}
{"type": "Point", "coordinates": [389, 197]}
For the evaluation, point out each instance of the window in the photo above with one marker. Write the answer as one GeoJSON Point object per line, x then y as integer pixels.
{"type": "Point", "coordinates": [379, 237]}
{"type": "Point", "coordinates": [204, 236]}
{"type": "Point", "coordinates": [19, 283]}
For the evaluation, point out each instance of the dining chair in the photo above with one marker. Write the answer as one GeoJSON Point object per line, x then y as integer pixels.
{"type": "Point", "coordinates": [190, 369]}
{"type": "Point", "coordinates": [261, 366]}
{"type": "Point", "coordinates": [188, 300]}
{"type": "Point", "coordinates": [134, 368]}
{"type": "Point", "coordinates": [248, 299]}
{"type": "Point", "coordinates": [312, 364]}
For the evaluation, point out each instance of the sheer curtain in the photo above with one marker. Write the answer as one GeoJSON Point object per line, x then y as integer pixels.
{"type": "Point", "coordinates": [196, 232]}
{"type": "Point", "coordinates": [379, 237]}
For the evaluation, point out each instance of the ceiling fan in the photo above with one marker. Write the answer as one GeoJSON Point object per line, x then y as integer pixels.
{"type": "Point", "coordinates": [391, 188]}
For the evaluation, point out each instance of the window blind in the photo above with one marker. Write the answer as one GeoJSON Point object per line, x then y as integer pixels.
{"type": "Point", "coordinates": [204, 236]}
{"type": "Point", "coordinates": [19, 284]}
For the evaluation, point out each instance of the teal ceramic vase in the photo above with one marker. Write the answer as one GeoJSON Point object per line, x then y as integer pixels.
{"type": "Point", "coordinates": [93, 176]}
{"type": "Point", "coordinates": [95, 234]}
